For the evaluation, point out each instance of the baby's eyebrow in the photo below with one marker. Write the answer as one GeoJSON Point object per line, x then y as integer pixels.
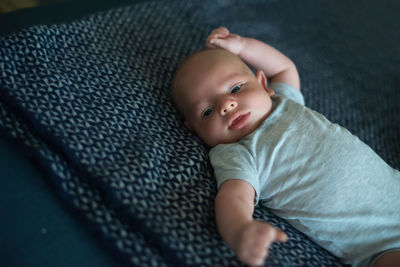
{"type": "Point", "coordinates": [232, 79]}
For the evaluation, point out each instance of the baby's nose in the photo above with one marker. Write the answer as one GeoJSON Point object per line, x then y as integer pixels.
{"type": "Point", "coordinates": [227, 106]}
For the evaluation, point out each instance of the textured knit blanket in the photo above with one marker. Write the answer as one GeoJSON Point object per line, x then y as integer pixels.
{"type": "Point", "coordinates": [90, 100]}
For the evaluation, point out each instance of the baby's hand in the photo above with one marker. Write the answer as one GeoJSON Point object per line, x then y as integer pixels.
{"type": "Point", "coordinates": [222, 38]}
{"type": "Point", "coordinates": [253, 241]}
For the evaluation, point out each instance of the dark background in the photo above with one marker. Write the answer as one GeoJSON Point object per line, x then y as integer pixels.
{"type": "Point", "coordinates": [36, 229]}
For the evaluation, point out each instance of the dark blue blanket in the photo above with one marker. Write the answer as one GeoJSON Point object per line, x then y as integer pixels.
{"type": "Point", "coordinates": [90, 99]}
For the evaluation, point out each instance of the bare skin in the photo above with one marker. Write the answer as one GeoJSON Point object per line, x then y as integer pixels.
{"type": "Point", "coordinates": [211, 90]}
{"type": "Point", "coordinates": [391, 259]}
{"type": "Point", "coordinates": [223, 101]}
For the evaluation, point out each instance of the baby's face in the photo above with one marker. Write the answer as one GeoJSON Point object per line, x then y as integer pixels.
{"type": "Point", "coordinates": [220, 98]}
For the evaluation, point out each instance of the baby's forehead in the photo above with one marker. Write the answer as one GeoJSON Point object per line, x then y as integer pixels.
{"type": "Point", "coordinates": [217, 60]}
{"type": "Point", "coordinates": [201, 68]}
{"type": "Point", "coordinates": [211, 56]}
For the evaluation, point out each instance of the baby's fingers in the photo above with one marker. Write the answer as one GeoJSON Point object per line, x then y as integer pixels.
{"type": "Point", "coordinates": [216, 34]}
{"type": "Point", "coordinates": [219, 43]}
{"type": "Point", "coordinates": [255, 256]}
{"type": "Point", "coordinates": [281, 236]}
{"type": "Point", "coordinates": [220, 32]}
{"type": "Point", "coordinates": [264, 240]}
{"type": "Point", "coordinates": [260, 242]}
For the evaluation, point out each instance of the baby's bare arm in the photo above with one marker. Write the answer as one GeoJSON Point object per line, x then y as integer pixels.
{"type": "Point", "coordinates": [276, 66]}
{"type": "Point", "coordinates": [248, 238]}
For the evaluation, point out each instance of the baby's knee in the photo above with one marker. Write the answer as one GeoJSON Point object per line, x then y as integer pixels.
{"type": "Point", "coordinates": [390, 259]}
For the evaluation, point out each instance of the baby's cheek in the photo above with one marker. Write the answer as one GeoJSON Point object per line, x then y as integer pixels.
{"type": "Point", "coordinates": [209, 135]}
{"type": "Point", "coordinates": [220, 135]}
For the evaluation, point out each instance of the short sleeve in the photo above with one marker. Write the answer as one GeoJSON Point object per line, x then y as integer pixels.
{"type": "Point", "coordinates": [233, 161]}
{"type": "Point", "coordinates": [288, 91]}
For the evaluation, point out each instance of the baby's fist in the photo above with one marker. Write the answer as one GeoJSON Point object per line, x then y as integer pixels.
{"type": "Point", "coordinates": [254, 240]}
{"type": "Point", "coordinates": [222, 38]}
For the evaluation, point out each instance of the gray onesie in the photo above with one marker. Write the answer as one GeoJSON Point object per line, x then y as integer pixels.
{"type": "Point", "coordinates": [319, 177]}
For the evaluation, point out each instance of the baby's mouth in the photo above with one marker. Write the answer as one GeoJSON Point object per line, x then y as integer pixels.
{"type": "Point", "coordinates": [238, 121]}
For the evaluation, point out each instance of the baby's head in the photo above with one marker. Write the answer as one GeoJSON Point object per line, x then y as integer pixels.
{"type": "Point", "coordinates": [220, 97]}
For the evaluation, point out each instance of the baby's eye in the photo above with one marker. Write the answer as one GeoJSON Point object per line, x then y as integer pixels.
{"type": "Point", "coordinates": [207, 112]}
{"type": "Point", "coordinates": [236, 88]}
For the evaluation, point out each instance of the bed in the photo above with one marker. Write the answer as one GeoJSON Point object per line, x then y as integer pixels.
{"type": "Point", "coordinates": [97, 167]}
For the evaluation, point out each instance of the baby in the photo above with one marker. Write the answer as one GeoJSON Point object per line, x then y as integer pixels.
{"type": "Point", "coordinates": [267, 147]}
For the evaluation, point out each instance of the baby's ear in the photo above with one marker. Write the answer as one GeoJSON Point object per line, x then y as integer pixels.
{"type": "Point", "coordinates": [262, 79]}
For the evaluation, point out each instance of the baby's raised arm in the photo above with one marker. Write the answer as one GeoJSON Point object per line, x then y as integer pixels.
{"type": "Point", "coordinates": [249, 238]}
{"type": "Point", "coordinates": [261, 56]}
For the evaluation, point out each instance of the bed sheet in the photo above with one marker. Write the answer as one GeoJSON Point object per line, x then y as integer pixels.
{"type": "Point", "coordinates": [90, 98]}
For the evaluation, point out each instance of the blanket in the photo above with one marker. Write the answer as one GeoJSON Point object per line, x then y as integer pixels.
{"type": "Point", "coordinates": [89, 99]}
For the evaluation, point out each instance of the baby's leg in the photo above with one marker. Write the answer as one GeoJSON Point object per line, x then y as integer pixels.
{"type": "Point", "coordinates": [391, 259]}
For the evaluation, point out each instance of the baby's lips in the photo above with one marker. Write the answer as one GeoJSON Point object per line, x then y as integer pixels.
{"type": "Point", "coordinates": [238, 121]}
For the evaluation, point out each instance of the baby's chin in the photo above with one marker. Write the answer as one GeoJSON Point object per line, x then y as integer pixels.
{"type": "Point", "coordinates": [227, 139]}
{"type": "Point", "coordinates": [236, 135]}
